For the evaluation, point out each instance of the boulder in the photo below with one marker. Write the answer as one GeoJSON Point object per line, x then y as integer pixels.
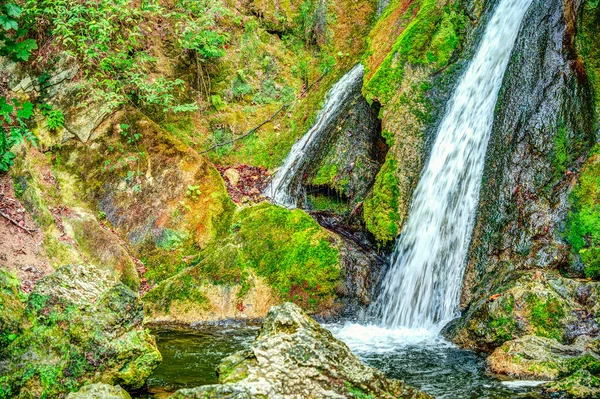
{"type": "Point", "coordinates": [100, 391]}
{"type": "Point", "coordinates": [579, 385]}
{"type": "Point", "coordinates": [539, 358]}
{"type": "Point", "coordinates": [294, 357]}
{"type": "Point", "coordinates": [86, 327]}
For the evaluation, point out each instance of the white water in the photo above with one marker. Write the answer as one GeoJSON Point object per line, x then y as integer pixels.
{"type": "Point", "coordinates": [422, 288]}
{"type": "Point", "coordinates": [280, 188]}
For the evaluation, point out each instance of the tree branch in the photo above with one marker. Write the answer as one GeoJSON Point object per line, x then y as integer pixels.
{"type": "Point", "coordinates": [13, 221]}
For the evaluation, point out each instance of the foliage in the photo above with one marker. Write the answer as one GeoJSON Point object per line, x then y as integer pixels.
{"type": "Point", "coordinates": [583, 229]}
{"type": "Point", "coordinates": [54, 117]}
{"type": "Point", "coordinates": [12, 35]}
{"type": "Point", "coordinates": [14, 129]}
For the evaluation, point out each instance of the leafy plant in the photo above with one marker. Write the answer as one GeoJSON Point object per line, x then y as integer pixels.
{"type": "Point", "coordinates": [54, 117]}
{"type": "Point", "coordinates": [12, 35]}
{"type": "Point", "coordinates": [14, 129]}
{"type": "Point", "coordinates": [193, 192]}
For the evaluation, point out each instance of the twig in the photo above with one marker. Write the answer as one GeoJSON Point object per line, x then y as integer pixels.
{"type": "Point", "coordinates": [248, 133]}
{"type": "Point", "coordinates": [13, 221]}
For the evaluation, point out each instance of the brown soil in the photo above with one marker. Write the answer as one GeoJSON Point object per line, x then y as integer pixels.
{"type": "Point", "coordinates": [21, 241]}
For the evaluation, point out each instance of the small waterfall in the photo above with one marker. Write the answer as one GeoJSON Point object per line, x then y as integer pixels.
{"type": "Point", "coordinates": [422, 287]}
{"type": "Point", "coordinates": [281, 189]}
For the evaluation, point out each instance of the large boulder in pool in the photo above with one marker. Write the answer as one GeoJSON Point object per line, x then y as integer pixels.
{"type": "Point", "coordinates": [84, 327]}
{"type": "Point", "coordinates": [294, 357]}
{"type": "Point", "coordinates": [100, 391]}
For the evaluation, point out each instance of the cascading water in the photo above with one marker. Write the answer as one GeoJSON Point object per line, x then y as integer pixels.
{"type": "Point", "coordinates": [280, 189]}
{"type": "Point", "coordinates": [422, 287]}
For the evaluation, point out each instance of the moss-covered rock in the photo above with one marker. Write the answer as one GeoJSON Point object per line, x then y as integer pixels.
{"type": "Point", "coordinates": [583, 231]}
{"type": "Point", "coordinates": [546, 305]}
{"type": "Point", "coordinates": [271, 254]}
{"type": "Point", "coordinates": [539, 358]}
{"type": "Point", "coordinates": [579, 385]}
{"type": "Point", "coordinates": [12, 309]}
{"type": "Point", "coordinates": [410, 71]}
{"type": "Point", "coordinates": [295, 357]}
{"type": "Point", "coordinates": [85, 327]}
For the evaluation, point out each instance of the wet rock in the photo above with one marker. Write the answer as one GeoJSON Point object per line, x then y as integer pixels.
{"type": "Point", "coordinates": [543, 130]}
{"type": "Point", "coordinates": [543, 304]}
{"type": "Point", "coordinates": [540, 358]}
{"type": "Point", "coordinates": [294, 357]}
{"type": "Point", "coordinates": [85, 327]}
{"type": "Point", "coordinates": [100, 391]}
{"type": "Point", "coordinates": [579, 385]}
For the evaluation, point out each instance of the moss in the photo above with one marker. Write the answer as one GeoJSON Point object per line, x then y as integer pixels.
{"type": "Point", "coordinates": [381, 206]}
{"type": "Point", "coordinates": [327, 203]}
{"type": "Point", "coordinates": [12, 309]}
{"type": "Point", "coordinates": [72, 337]}
{"type": "Point", "coordinates": [428, 39]}
{"type": "Point", "coordinates": [588, 46]}
{"type": "Point", "coordinates": [296, 256]}
{"type": "Point", "coordinates": [583, 225]}
{"type": "Point", "coordinates": [546, 316]}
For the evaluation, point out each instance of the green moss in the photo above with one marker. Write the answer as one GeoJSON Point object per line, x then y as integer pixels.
{"type": "Point", "coordinates": [294, 255]}
{"type": "Point", "coordinates": [429, 39]}
{"type": "Point", "coordinates": [325, 175]}
{"type": "Point", "coordinates": [501, 322]}
{"type": "Point", "coordinates": [288, 248]}
{"type": "Point", "coordinates": [381, 206]}
{"type": "Point", "coordinates": [12, 320]}
{"type": "Point", "coordinates": [327, 203]}
{"type": "Point", "coordinates": [546, 316]}
{"type": "Point", "coordinates": [588, 46]}
{"type": "Point", "coordinates": [583, 227]}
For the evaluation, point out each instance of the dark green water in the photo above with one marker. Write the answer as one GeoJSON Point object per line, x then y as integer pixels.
{"type": "Point", "coordinates": [190, 357]}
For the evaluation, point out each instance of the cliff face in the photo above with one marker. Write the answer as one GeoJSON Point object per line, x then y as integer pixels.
{"type": "Point", "coordinates": [544, 128]}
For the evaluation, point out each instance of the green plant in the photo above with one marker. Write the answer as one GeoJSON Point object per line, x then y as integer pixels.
{"type": "Point", "coordinates": [193, 192]}
{"type": "Point", "coordinates": [12, 35]}
{"type": "Point", "coordinates": [54, 117]}
{"type": "Point", "coordinates": [14, 129]}
{"type": "Point", "coordinates": [218, 102]}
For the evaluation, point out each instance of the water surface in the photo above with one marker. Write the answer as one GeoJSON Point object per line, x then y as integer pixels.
{"type": "Point", "coordinates": [424, 360]}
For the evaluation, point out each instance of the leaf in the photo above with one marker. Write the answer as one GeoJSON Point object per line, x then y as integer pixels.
{"type": "Point", "coordinates": [13, 10]}
{"type": "Point", "coordinates": [8, 23]}
{"type": "Point", "coordinates": [26, 111]}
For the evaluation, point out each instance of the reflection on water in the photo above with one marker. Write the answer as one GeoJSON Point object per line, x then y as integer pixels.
{"type": "Point", "coordinates": [190, 356]}
{"type": "Point", "coordinates": [425, 361]}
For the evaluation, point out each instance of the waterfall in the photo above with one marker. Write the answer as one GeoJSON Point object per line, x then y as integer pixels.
{"type": "Point", "coordinates": [281, 189]}
{"type": "Point", "coordinates": [422, 287]}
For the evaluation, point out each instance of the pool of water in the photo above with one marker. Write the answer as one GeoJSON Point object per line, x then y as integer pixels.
{"type": "Point", "coordinates": [425, 361]}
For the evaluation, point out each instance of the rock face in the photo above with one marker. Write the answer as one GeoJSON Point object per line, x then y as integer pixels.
{"type": "Point", "coordinates": [294, 357]}
{"type": "Point", "coordinates": [100, 391]}
{"type": "Point", "coordinates": [542, 132]}
{"type": "Point", "coordinates": [85, 327]}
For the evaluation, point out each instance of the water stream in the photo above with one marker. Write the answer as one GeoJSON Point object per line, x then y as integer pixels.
{"type": "Point", "coordinates": [281, 188]}
{"type": "Point", "coordinates": [422, 287]}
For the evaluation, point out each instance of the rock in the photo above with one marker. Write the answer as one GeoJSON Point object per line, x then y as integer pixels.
{"type": "Point", "coordinates": [233, 176]}
{"type": "Point", "coordinates": [539, 358]}
{"type": "Point", "coordinates": [534, 303]}
{"type": "Point", "coordinates": [100, 391]}
{"type": "Point", "coordinates": [294, 357]}
{"type": "Point", "coordinates": [86, 327]}
{"type": "Point", "coordinates": [579, 385]}
{"type": "Point", "coordinates": [542, 132]}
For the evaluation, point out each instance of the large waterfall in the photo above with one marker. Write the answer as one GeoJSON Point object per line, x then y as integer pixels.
{"type": "Point", "coordinates": [422, 287]}
{"type": "Point", "coordinates": [281, 188]}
